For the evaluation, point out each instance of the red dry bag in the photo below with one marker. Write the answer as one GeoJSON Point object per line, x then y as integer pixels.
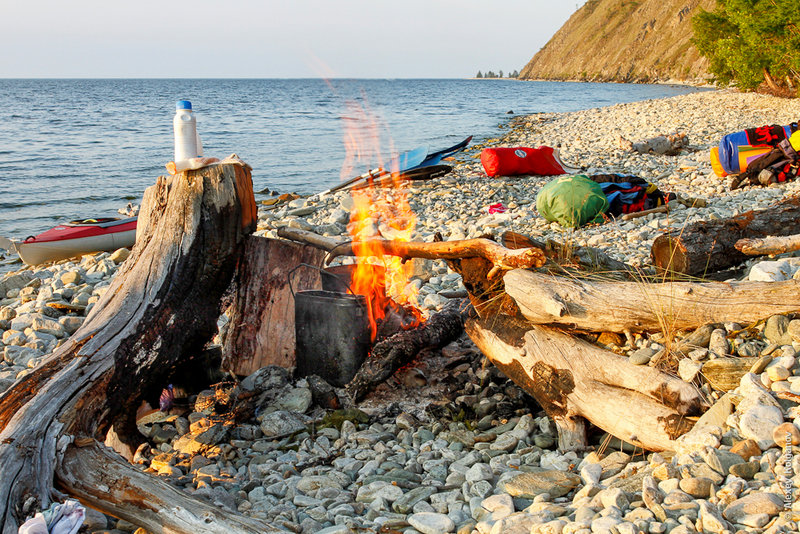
{"type": "Point", "coordinates": [521, 160]}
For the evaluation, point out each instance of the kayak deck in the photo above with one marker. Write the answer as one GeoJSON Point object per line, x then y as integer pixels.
{"type": "Point", "coordinates": [77, 238]}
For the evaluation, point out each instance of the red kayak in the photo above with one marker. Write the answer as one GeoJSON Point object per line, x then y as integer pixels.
{"type": "Point", "coordinates": [77, 238]}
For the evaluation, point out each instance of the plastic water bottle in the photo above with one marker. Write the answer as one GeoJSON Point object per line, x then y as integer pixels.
{"type": "Point", "coordinates": [186, 138]}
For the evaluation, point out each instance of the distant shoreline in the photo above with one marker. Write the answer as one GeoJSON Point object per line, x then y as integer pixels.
{"type": "Point", "coordinates": [681, 83]}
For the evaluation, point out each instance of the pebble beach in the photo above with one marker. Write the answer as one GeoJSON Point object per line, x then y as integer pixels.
{"type": "Point", "coordinates": [451, 445]}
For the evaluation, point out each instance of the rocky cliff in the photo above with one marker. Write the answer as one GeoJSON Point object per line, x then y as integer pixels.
{"type": "Point", "coordinates": [624, 41]}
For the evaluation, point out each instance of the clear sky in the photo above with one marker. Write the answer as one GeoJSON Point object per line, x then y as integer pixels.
{"type": "Point", "coordinates": [273, 38]}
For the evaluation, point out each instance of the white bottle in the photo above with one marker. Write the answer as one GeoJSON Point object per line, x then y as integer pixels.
{"type": "Point", "coordinates": [187, 143]}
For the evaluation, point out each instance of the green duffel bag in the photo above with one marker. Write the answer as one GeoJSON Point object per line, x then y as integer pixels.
{"type": "Point", "coordinates": [572, 201]}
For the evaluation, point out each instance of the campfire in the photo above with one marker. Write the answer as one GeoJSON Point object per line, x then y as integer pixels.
{"type": "Point", "coordinates": [382, 279]}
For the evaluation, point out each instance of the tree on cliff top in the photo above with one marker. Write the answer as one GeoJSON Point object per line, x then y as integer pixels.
{"type": "Point", "coordinates": [748, 42]}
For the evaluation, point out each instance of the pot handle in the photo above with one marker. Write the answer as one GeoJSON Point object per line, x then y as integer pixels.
{"type": "Point", "coordinates": [322, 271]}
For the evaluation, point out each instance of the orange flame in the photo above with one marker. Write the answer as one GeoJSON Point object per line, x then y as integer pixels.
{"type": "Point", "coordinates": [378, 212]}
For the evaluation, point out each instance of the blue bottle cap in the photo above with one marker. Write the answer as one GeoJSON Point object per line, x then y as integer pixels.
{"type": "Point", "coordinates": [184, 104]}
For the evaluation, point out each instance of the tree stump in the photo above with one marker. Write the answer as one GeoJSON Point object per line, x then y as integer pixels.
{"type": "Point", "coordinates": [261, 329]}
{"type": "Point", "coordinates": [162, 307]}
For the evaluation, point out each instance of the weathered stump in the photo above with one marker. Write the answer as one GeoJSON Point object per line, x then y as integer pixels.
{"type": "Point", "coordinates": [261, 330]}
{"type": "Point", "coordinates": [162, 307]}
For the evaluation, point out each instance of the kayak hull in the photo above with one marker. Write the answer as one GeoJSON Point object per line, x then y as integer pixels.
{"type": "Point", "coordinates": [69, 241]}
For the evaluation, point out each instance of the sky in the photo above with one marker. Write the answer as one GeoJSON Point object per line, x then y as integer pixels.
{"type": "Point", "coordinates": [273, 38]}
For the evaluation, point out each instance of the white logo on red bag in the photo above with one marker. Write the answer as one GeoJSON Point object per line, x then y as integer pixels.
{"type": "Point", "coordinates": [520, 153]}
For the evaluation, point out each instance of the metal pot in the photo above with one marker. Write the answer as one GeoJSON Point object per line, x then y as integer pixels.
{"type": "Point", "coordinates": [332, 335]}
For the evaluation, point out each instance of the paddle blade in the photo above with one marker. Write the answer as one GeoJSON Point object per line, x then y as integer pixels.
{"type": "Point", "coordinates": [6, 243]}
{"type": "Point", "coordinates": [436, 157]}
{"type": "Point", "coordinates": [407, 160]}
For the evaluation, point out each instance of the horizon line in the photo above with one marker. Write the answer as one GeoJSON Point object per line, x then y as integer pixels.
{"type": "Point", "coordinates": [250, 78]}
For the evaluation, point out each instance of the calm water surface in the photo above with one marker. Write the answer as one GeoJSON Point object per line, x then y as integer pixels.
{"type": "Point", "coordinates": [84, 148]}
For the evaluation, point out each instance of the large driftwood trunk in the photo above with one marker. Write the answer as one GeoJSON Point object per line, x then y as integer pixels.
{"type": "Point", "coordinates": [162, 307]}
{"type": "Point", "coordinates": [261, 329]}
{"type": "Point", "coordinates": [572, 380]}
{"type": "Point", "coordinates": [709, 246]}
{"type": "Point", "coordinates": [611, 306]}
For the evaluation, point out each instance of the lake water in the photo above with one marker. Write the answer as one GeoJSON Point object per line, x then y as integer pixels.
{"type": "Point", "coordinates": [84, 148]}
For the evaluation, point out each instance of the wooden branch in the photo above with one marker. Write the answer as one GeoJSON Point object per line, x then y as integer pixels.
{"type": "Point", "coordinates": [394, 352]}
{"type": "Point", "coordinates": [161, 308]}
{"type": "Point", "coordinates": [603, 306]}
{"type": "Point", "coordinates": [709, 246]}
{"type": "Point", "coordinates": [697, 339]}
{"type": "Point", "coordinates": [501, 257]}
{"type": "Point", "coordinates": [645, 213]}
{"type": "Point", "coordinates": [689, 202]}
{"type": "Point", "coordinates": [309, 238]}
{"type": "Point", "coordinates": [769, 245]}
{"type": "Point", "coordinates": [587, 258]}
{"type": "Point", "coordinates": [573, 379]}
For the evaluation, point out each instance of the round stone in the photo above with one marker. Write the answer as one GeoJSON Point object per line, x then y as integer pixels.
{"type": "Point", "coordinates": [786, 434]}
{"type": "Point", "coordinates": [777, 373]}
{"type": "Point", "coordinates": [431, 523]}
{"type": "Point", "coordinates": [698, 487]}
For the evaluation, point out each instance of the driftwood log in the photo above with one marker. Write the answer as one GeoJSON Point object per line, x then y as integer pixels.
{"type": "Point", "coordinates": [614, 306]}
{"type": "Point", "coordinates": [392, 353]}
{"type": "Point", "coordinates": [768, 245]}
{"type": "Point", "coordinates": [574, 381]}
{"type": "Point", "coordinates": [709, 246]}
{"type": "Point", "coordinates": [310, 238]}
{"type": "Point", "coordinates": [161, 308]}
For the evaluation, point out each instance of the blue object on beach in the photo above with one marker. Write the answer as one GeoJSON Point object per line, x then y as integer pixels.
{"type": "Point", "coordinates": [407, 160]}
{"type": "Point", "coordinates": [737, 150]}
{"type": "Point", "coordinates": [184, 104]}
{"type": "Point", "coordinates": [436, 157]}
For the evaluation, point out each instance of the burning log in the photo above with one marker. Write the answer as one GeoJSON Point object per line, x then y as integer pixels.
{"type": "Point", "coordinates": [501, 257]}
{"type": "Point", "coordinates": [614, 306]}
{"type": "Point", "coordinates": [575, 380]}
{"type": "Point", "coordinates": [161, 308]}
{"type": "Point", "coordinates": [391, 354]}
{"type": "Point", "coordinates": [709, 246]}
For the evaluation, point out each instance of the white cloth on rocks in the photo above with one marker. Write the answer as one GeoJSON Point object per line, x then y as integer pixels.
{"type": "Point", "coordinates": [65, 518]}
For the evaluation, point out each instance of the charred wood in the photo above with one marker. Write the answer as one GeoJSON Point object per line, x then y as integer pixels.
{"type": "Point", "coordinates": [394, 352]}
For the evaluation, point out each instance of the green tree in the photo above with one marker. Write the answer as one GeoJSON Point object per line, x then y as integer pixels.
{"type": "Point", "coordinates": [479, 75]}
{"type": "Point", "coordinates": [751, 41]}
{"type": "Point", "coordinates": [500, 75]}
